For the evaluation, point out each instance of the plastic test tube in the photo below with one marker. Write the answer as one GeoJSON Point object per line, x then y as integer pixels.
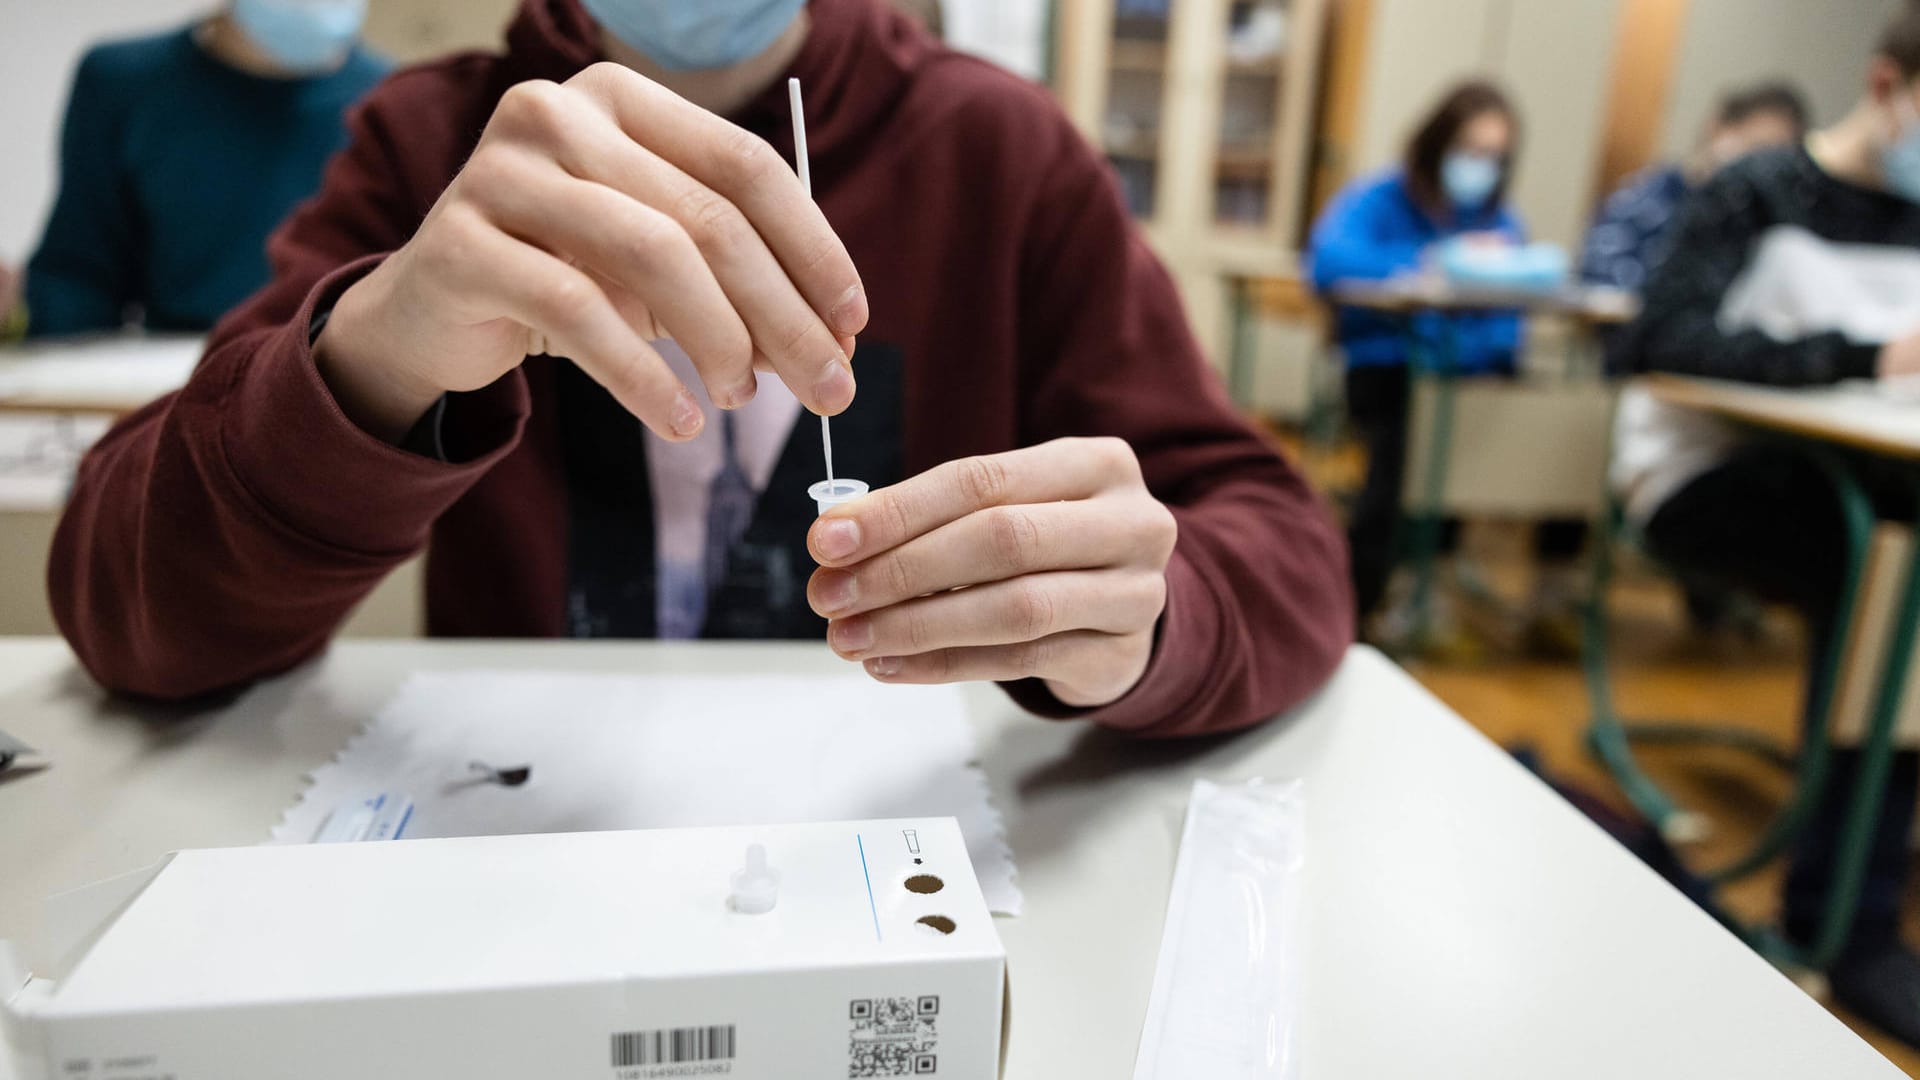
{"type": "Point", "coordinates": [828, 494]}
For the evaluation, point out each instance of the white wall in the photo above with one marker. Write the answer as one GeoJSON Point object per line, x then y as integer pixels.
{"type": "Point", "coordinates": [1011, 33]}
{"type": "Point", "coordinates": [1554, 56]}
{"type": "Point", "coordinates": [1822, 45]}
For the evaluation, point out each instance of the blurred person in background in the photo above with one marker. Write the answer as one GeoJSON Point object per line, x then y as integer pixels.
{"type": "Point", "coordinates": [1635, 223]}
{"type": "Point", "coordinates": [1452, 184]}
{"type": "Point", "coordinates": [1793, 267]}
{"type": "Point", "coordinates": [1634, 227]}
{"type": "Point", "coordinates": [180, 152]}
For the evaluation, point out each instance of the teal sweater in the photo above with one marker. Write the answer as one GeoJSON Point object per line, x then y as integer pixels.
{"type": "Point", "coordinates": [173, 169]}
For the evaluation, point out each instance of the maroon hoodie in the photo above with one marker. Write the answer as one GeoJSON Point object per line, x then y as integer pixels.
{"type": "Point", "coordinates": [223, 533]}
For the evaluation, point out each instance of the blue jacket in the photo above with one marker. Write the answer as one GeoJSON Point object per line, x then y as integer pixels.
{"type": "Point", "coordinates": [1373, 230]}
{"type": "Point", "coordinates": [173, 169]}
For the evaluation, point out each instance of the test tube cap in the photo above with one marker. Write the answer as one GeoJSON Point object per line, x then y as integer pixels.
{"type": "Point", "coordinates": [828, 494]}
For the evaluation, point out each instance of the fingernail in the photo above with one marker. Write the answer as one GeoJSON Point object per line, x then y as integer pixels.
{"type": "Point", "coordinates": [685, 418]}
{"type": "Point", "coordinates": [852, 635]}
{"type": "Point", "coordinates": [884, 666]}
{"type": "Point", "coordinates": [833, 390]}
{"type": "Point", "coordinates": [741, 394]}
{"type": "Point", "coordinates": [838, 538]}
{"type": "Point", "coordinates": [849, 314]}
{"type": "Point", "coordinates": [837, 592]}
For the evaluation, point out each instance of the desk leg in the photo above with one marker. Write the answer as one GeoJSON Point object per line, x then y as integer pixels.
{"type": "Point", "coordinates": [1876, 762]}
{"type": "Point", "coordinates": [1428, 524]}
{"type": "Point", "coordinates": [1816, 749]}
{"type": "Point", "coordinates": [1611, 739]}
{"type": "Point", "coordinates": [1240, 358]}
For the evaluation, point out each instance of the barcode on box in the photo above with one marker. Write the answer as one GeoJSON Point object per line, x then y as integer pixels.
{"type": "Point", "coordinates": [672, 1046]}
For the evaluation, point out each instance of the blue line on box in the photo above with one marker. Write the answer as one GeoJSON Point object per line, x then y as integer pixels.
{"type": "Point", "coordinates": [871, 906]}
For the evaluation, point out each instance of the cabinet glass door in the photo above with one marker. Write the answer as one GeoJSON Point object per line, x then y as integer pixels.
{"type": "Point", "coordinates": [1258, 34]}
{"type": "Point", "coordinates": [1136, 83]}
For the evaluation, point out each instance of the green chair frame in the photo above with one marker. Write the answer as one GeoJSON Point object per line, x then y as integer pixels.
{"type": "Point", "coordinates": [1611, 738]}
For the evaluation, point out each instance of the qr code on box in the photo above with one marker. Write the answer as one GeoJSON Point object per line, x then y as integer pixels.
{"type": "Point", "coordinates": [896, 1036]}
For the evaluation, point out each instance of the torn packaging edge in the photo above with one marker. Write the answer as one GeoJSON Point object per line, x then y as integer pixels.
{"type": "Point", "coordinates": [1226, 989]}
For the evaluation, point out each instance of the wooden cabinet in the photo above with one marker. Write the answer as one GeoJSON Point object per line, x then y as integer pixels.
{"type": "Point", "coordinates": [1205, 109]}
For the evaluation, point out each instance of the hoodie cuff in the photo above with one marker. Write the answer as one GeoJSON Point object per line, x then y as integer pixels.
{"type": "Point", "coordinates": [312, 469]}
{"type": "Point", "coordinates": [1188, 634]}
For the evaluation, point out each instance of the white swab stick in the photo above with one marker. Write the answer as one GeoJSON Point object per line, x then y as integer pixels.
{"type": "Point", "coordinates": [800, 163]}
{"type": "Point", "coordinates": [805, 169]}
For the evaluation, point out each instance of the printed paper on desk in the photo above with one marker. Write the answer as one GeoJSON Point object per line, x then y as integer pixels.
{"type": "Point", "coordinates": [643, 752]}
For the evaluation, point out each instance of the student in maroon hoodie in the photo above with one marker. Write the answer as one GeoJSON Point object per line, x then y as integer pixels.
{"type": "Point", "coordinates": [1029, 394]}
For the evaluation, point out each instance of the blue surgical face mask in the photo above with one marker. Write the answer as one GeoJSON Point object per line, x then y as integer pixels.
{"type": "Point", "coordinates": [695, 35]}
{"type": "Point", "coordinates": [1469, 180]}
{"type": "Point", "coordinates": [301, 35]}
{"type": "Point", "coordinates": [1900, 159]}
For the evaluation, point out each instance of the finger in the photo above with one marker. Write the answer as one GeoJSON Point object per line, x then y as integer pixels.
{"type": "Point", "coordinates": [750, 174]}
{"type": "Point", "coordinates": [636, 248]}
{"type": "Point", "coordinates": [993, 545]}
{"type": "Point", "coordinates": [565, 304]}
{"type": "Point", "coordinates": [790, 334]}
{"type": "Point", "coordinates": [1005, 613]}
{"type": "Point", "coordinates": [1051, 471]}
{"type": "Point", "coordinates": [1077, 658]}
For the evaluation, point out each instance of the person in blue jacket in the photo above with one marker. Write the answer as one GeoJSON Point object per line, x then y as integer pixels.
{"type": "Point", "coordinates": [180, 152]}
{"type": "Point", "coordinates": [1451, 185]}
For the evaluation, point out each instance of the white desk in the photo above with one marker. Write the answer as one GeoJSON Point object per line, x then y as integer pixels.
{"type": "Point", "coordinates": [1859, 415]}
{"type": "Point", "coordinates": [114, 374]}
{"type": "Point", "coordinates": [1463, 921]}
{"type": "Point", "coordinates": [1592, 305]}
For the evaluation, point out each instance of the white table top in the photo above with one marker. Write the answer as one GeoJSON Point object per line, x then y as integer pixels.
{"type": "Point", "coordinates": [109, 374]}
{"type": "Point", "coordinates": [1431, 292]}
{"type": "Point", "coordinates": [1875, 417]}
{"type": "Point", "coordinates": [1462, 920]}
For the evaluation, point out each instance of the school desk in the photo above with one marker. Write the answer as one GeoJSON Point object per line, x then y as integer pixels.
{"type": "Point", "coordinates": [103, 374]}
{"type": "Point", "coordinates": [1461, 920]}
{"type": "Point", "coordinates": [1872, 667]}
{"type": "Point", "coordinates": [1474, 445]}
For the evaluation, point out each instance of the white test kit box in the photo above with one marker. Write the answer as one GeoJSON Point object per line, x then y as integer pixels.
{"type": "Point", "coordinates": [580, 956]}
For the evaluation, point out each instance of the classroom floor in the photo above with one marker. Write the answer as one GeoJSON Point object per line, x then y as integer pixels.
{"type": "Point", "coordinates": [1663, 670]}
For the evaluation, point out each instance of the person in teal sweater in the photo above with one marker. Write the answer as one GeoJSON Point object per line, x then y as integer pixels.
{"type": "Point", "coordinates": [180, 153]}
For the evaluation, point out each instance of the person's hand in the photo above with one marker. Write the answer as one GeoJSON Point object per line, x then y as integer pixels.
{"type": "Point", "coordinates": [1900, 358]}
{"type": "Point", "coordinates": [1046, 562]}
{"type": "Point", "coordinates": [593, 217]}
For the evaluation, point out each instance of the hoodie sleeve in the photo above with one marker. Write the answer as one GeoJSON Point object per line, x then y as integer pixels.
{"type": "Point", "coordinates": [223, 532]}
{"type": "Point", "coordinates": [1259, 610]}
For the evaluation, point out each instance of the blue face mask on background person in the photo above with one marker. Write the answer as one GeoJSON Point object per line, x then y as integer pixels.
{"type": "Point", "coordinates": [695, 35]}
{"type": "Point", "coordinates": [1469, 180]}
{"type": "Point", "coordinates": [1900, 159]}
{"type": "Point", "coordinates": [301, 35]}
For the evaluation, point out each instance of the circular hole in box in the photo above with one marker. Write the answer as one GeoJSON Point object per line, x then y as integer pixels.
{"type": "Point", "coordinates": [925, 884]}
{"type": "Point", "coordinates": [938, 922]}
